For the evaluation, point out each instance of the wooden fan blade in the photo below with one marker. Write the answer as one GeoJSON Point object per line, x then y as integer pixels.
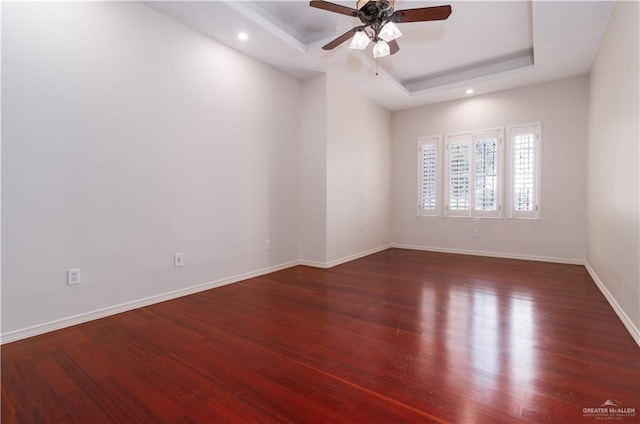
{"type": "Point", "coordinates": [422, 14]}
{"type": "Point", "coordinates": [332, 7]}
{"type": "Point", "coordinates": [393, 47]}
{"type": "Point", "coordinates": [344, 37]}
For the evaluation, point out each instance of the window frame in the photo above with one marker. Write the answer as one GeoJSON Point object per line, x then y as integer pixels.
{"type": "Point", "coordinates": [472, 137]}
{"type": "Point", "coordinates": [435, 140]}
{"type": "Point", "coordinates": [535, 214]}
{"type": "Point", "coordinates": [450, 139]}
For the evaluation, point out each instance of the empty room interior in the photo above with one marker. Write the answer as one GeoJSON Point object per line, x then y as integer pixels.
{"type": "Point", "coordinates": [293, 212]}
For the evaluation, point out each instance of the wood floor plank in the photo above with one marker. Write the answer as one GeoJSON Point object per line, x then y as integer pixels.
{"type": "Point", "coordinates": [398, 336]}
{"type": "Point", "coordinates": [83, 409]}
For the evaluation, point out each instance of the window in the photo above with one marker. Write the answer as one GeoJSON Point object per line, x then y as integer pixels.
{"type": "Point", "coordinates": [524, 170]}
{"type": "Point", "coordinates": [473, 169]}
{"type": "Point", "coordinates": [428, 176]}
{"type": "Point", "coordinates": [465, 175]}
{"type": "Point", "coordinates": [458, 175]}
{"type": "Point", "coordinates": [487, 174]}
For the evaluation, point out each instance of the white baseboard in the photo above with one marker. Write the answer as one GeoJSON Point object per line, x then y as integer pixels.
{"type": "Point", "coordinates": [128, 306]}
{"type": "Point", "coordinates": [570, 261]}
{"type": "Point", "coordinates": [345, 259]}
{"type": "Point", "coordinates": [633, 330]}
{"type": "Point", "coordinates": [46, 327]}
{"type": "Point", "coordinates": [314, 264]}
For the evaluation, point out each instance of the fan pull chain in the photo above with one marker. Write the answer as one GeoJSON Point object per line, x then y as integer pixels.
{"type": "Point", "coordinates": [376, 60]}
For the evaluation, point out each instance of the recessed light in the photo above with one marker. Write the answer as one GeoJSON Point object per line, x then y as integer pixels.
{"type": "Point", "coordinates": [243, 36]}
{"type": "Point", "coordinates": [469, 91]}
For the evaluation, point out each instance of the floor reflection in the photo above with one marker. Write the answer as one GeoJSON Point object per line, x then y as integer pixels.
{"type": "Point", "coordinates": [428, 313]}
{"type": "Point", "coordinates": [485, 338]}
{"type": "Point", "coordinates": [455, 334]}
{"type": "Point", "coordinates": [521, 337]}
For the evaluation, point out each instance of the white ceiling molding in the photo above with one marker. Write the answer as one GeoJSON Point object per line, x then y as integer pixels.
{"type": "Point", "coordinates": [475, 72]}
{"type": "Point", "coordinates": [269, 23]}
{"type": "Point", "coordinates": [491, 46]}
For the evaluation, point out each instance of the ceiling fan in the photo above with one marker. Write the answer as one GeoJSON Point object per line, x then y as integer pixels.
{"type": "Point", "coordinates": [379, 23]}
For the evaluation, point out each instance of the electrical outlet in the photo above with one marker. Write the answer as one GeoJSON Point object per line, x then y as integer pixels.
{"type": "Point", "coordinates": [476, 233]}
{"type": "Point", "coordinates": [73, 276]}
{"type": "Point", "coordinates": [267, 244]}
{"type": "Point", "coordinates": [178, 259]}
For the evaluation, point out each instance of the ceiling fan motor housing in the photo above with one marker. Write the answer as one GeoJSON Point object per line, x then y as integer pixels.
{"type": "Point", "coordinates": [370, 10]}
{"type": "Point", "coordinates": [381, 4]}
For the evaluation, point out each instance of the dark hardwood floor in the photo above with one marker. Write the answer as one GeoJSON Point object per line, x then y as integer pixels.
{"type": "Point", "coordinates": [399, 336]}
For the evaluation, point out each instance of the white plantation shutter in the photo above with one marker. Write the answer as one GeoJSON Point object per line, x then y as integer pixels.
{"type": "Point", "coordinates": [473, 174]}
{"type": "Point", "coordinates": [428, 176]}
{"type": "Point", "coordinates": [486, 176]}
{"type": "Point", "coordinates": [458, 175]}
{"type": "Point", "coordinates": [524, 152]}
{"type": "Point", "coordinates": [466, 175]}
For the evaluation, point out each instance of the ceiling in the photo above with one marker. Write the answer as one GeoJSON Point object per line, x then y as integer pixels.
{"type": "Point", "coordinates": [486, 46]}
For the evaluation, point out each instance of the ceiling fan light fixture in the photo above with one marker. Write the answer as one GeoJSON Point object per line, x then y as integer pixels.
{"type": "Point", "coordinates": [359, 41]}
{"type": "Point", "coordinates": [390, 32]}
{"type": "Point", "coordinates": [381, 49]}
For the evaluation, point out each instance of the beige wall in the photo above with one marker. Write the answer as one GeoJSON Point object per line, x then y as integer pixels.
{"type": "Point", "coordinates": [127, 137]}
{"type": "Point", "coordinates": [313, 170]}
{"type": "Point", "coordinates": [561, 106]}
{"type": "Point", "coordinates": [345, 173]}
{"type": "Point", "coordinates": [358, 173]}
{"type": "Point", "coordinates": [613, 214]}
